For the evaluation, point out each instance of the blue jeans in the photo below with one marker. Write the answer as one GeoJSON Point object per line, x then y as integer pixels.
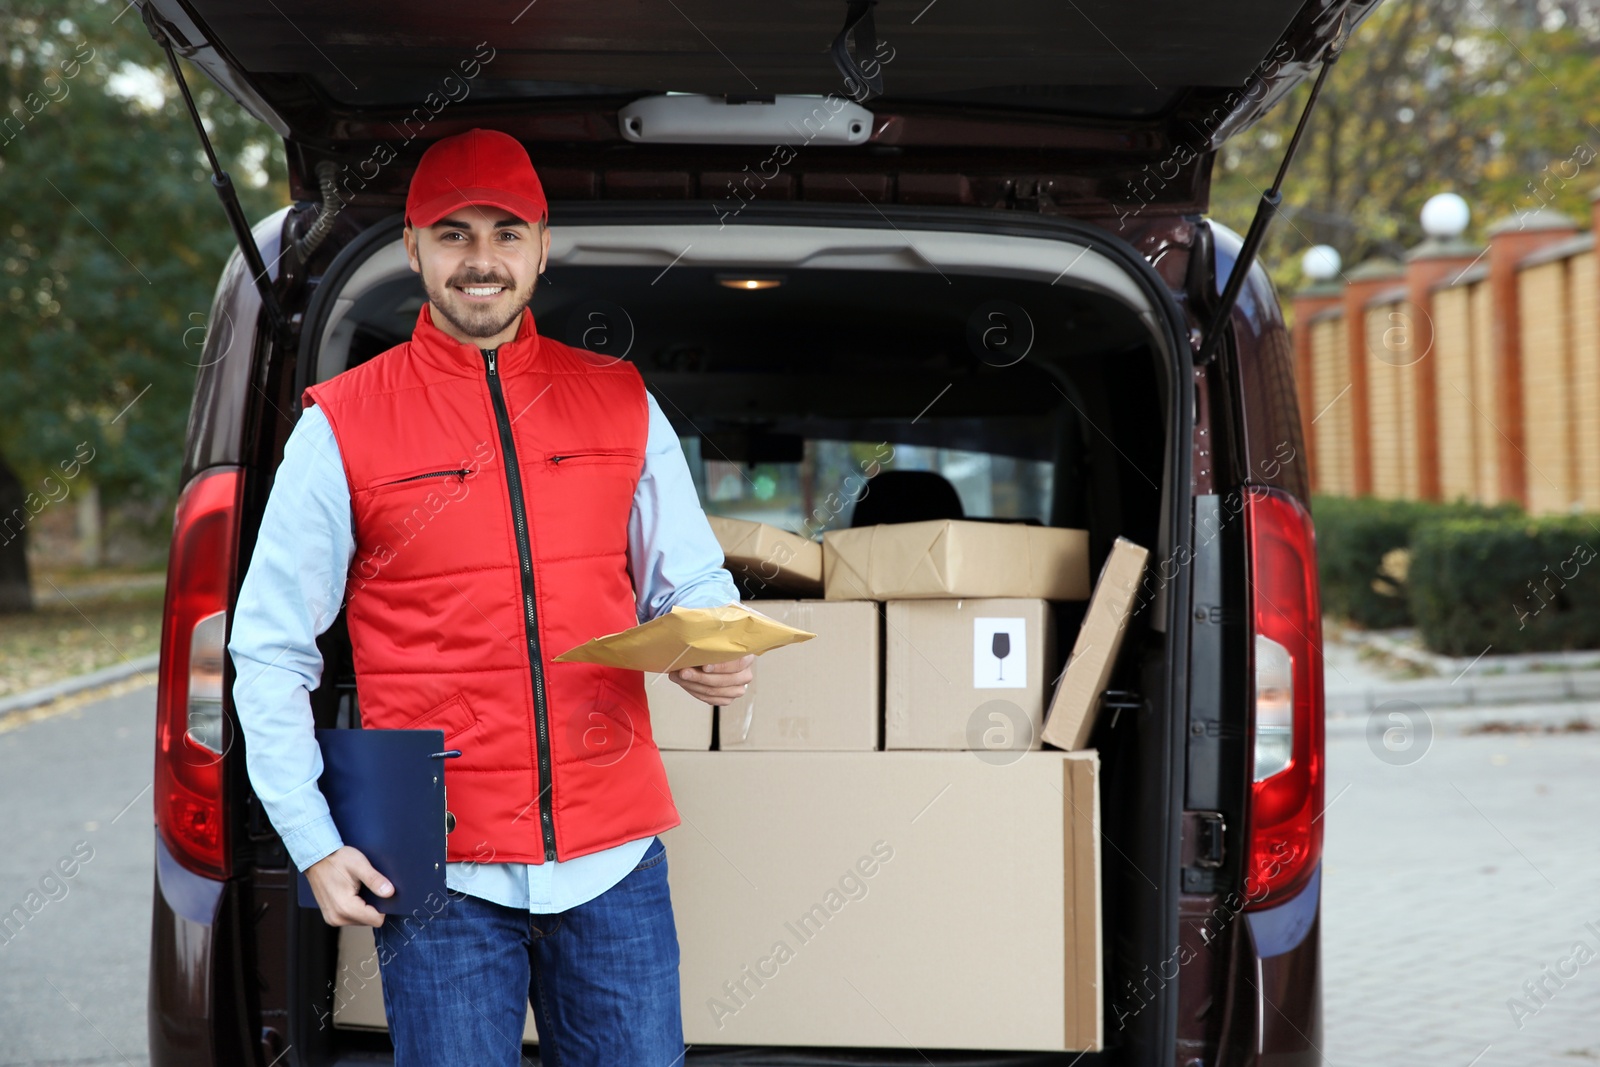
{"type": "Point", "coordinates": [602, 979]}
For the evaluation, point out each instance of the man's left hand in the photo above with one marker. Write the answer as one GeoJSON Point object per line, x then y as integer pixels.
{"type": "Point", "coordinates": [717, 683]}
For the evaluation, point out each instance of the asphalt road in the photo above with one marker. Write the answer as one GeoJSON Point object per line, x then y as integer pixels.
{"type": "Point", "coordinates": [1450, 881]}
{"type": "Point", "coordinates": [76, 788]}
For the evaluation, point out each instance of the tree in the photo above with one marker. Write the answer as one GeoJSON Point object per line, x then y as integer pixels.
{"type": "Point", "coordinates": [1491, 99]}
{"type": "Point", "coordinates": [110, 246]}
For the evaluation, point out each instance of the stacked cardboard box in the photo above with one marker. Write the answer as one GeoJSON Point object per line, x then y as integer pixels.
{"type": "Point", "coordinates": [766, 561]}
{"type": "Point", "coordinates": [955, 558]}
{"type": "Point", "coordinates": [970, 648]}
{"type": "Point", "coordinates": [846, 873]}
{"type": "Point", "coordinates": [967, 674]}
{"type": "Point", "coordinates": [820, 695]}
{"type": "Point", "coordinates": [1094, 653]}
{"type": "Point", "coordinates": [889, 899]}
{"type": "Point", "coordinates": [678, 721]}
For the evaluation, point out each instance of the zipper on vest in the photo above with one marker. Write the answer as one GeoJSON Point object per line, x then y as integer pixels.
{"type": "Point", "coordinates": [519, 517]}
{"type": "Point", "coordinates": [460, 474]}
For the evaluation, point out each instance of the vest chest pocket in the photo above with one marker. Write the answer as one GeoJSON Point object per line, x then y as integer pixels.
{"type": "Point", "coordinates": [435, 503]}
{"type": "Point", "coordinates": [575, 457]}
{"type": "Point", "coordinates": [442, 477]}
{"type": "Point", "coordinates": [582, 499]}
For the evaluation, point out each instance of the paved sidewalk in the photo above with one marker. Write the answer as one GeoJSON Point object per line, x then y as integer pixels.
{"type": "Point", "coordinates": [1456, 872]}
{"type": "Point", "coordinates": [1363, 671]}
{"type": "Point", "coordinates": [143, 667]}
{"type": "Point", "coordinates": [50, 592]}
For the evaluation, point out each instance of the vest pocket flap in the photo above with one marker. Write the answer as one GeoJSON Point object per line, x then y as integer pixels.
{"type": "Point", "coordinates": [452, 715]}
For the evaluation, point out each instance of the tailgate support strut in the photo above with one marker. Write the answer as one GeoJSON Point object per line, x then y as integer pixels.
{"type": "Point", "coordinates": [225, 191]}
{"type": "Point", "coordinates": [859, 85]}
{"type": "Point", "coordinates": [1270, 201]}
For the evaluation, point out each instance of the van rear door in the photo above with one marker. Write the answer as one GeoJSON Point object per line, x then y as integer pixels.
{"type": "Point", "coordinates": [1094, 109]}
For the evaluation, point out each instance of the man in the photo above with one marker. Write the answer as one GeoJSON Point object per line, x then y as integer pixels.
{"type": "Point", "coordinates": [489, 498]}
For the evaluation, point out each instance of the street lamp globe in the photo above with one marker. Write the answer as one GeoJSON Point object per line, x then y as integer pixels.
{"type": "Point", "coordinates": [1445, 216]}
{"type": "Point", "coordinates": [1320, 263]}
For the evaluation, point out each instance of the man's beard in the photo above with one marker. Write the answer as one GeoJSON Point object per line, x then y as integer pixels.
{"type": "Point", "coordinates": [479, 320]}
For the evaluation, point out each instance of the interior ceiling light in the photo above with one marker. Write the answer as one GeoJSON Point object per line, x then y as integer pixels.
{"type": "Point", "coordinates": [749, 282]}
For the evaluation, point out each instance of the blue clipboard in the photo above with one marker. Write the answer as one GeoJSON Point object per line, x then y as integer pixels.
{"type": "Point", "coordinates": [386, 792]}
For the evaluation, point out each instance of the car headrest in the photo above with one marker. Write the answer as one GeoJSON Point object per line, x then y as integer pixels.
{"type": "Point", "coordinates": [907, 496]}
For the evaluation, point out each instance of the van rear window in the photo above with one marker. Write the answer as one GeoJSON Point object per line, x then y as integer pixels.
{"type": "Point", "coordinates": [822, 490]}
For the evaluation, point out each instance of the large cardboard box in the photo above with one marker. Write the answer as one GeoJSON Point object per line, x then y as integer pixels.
{"type": "Point", "coordinates": [887, 899]}
{"type": "Point", "coordinates": [357, 994]}
{"type": "Point", "coordinates": [677, 720]}
{"type": "Point", "coordinates": [818, 695]}
{"type": "Point", "coordinates": [766, 561]}
{"type": "Point", "coordinates": [955, 558]}
{"type": "Point", "coordinates": [869, 899]}
{"type": "Point", "coordinates": [968, 673]}
{"type": "Point", "coordinates": [1094, 653]}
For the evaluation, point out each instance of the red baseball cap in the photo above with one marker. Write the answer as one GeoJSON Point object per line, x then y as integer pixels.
{"type": "Point", "coordinates": [477, 167]}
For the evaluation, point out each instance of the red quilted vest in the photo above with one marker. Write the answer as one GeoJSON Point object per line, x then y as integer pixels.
{"type": "Point", "coordinates": [472, 572]}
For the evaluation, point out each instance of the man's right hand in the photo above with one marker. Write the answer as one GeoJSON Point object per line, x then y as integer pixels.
{"type": "Point", "coordinates": [336, 880]}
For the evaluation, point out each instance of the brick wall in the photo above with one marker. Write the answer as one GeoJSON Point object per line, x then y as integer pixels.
{"type": "Point", "coordinates": [1476, 379]}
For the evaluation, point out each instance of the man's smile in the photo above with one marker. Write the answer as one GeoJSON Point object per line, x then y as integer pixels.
{"type": "Point", "coordinates": [480, 294]}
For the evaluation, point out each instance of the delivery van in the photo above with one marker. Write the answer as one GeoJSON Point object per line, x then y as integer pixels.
{"type": "Point", "coordinates": [882, 266]}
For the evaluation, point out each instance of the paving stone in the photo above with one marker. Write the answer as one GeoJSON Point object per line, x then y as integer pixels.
{"type": "Point", "coordinates": [1450, 882]}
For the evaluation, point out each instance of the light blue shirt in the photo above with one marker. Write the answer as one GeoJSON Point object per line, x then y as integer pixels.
{"type": "Point", "coordinates": [293, 591]}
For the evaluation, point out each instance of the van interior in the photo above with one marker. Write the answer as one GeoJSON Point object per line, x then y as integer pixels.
{"type": "Point", "coordinates": [1005, 393]}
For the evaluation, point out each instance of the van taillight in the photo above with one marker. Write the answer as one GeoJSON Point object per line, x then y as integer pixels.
{"type": "Point", "coordinates": [190, 737]}
{"type": "Point", "coordinates": [1285, 833]}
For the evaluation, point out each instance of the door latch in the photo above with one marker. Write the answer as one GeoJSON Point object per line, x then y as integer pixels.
{"type": "Point", "coordinates": [1209, 830]}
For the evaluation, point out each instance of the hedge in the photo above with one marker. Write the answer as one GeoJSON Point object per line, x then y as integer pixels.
{"type": "Point", "coordinates": [1362, 558]}
{"type": "Point", "coordinates": [1513, 584]}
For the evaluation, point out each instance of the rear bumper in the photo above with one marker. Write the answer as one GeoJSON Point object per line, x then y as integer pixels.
{"type": "Point", "coordinates": [1288, 980]}
{"type": "Point", "coordinates": [182, 993]}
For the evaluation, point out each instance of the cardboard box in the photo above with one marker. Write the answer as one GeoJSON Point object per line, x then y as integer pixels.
{"type": "Point", "coordinates": [955, 558]}
{"type": "Point", "coordinates": [1094, 653]}
{"type": "Point", "coordinates": [766, 561]}
{"type": "Point", "coordinates": [357, 985]}
{"type": "Point", "coordinates": [967, 674]}
{"type": "Point", "coordinates": [677, 720]}
{"type": "Point", "coordinates": [815, 903]}
{"type": "Point", "coordinates": [818, 695]}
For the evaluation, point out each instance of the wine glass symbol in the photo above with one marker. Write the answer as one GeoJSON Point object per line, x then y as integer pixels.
{"type": "Point", "coordinates": [1001, 645]}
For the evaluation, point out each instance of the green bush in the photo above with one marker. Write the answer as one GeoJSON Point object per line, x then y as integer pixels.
{"type": "Point", "coordinates": [1362, 556]}
{"type": "Point", "coordinates": [1513, 584]}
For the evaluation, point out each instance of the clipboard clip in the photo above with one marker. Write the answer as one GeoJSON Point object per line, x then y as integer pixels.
{"type": "Point", "coordinates": [449, 816]}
